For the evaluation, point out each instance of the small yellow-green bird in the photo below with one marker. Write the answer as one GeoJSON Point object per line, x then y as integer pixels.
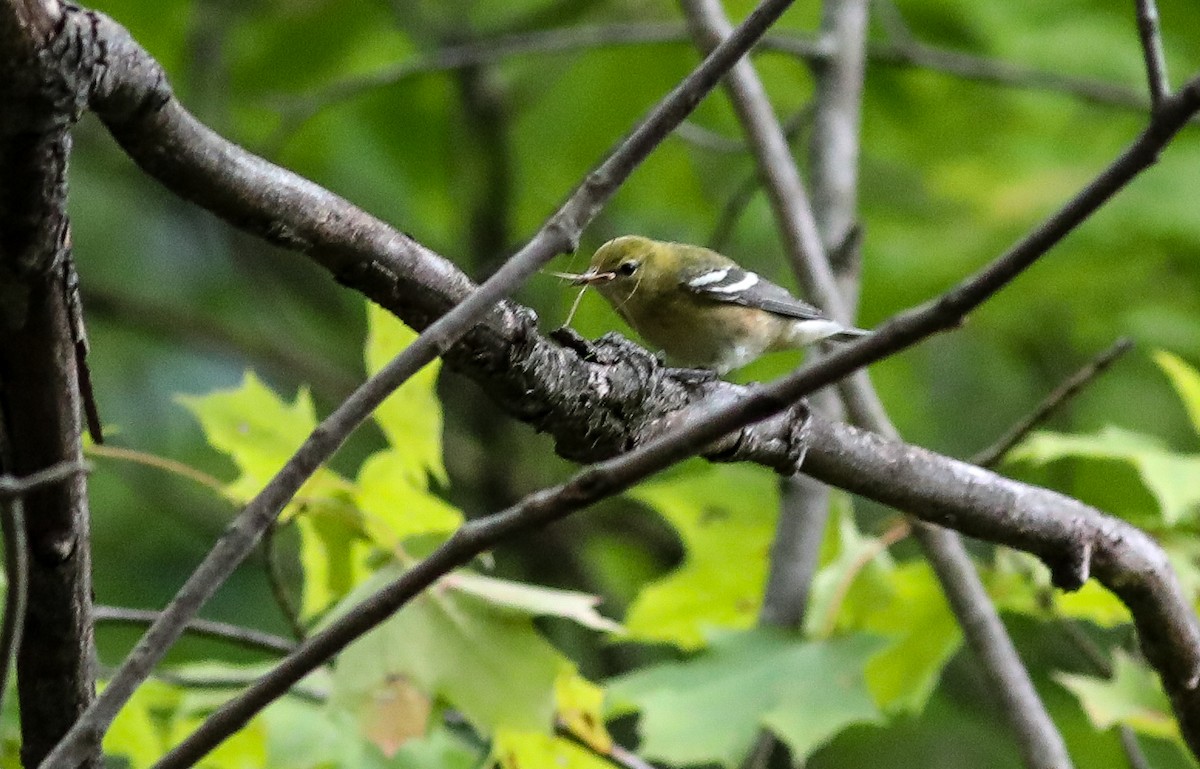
{"type": "Point", "coordinates": [701, 308]}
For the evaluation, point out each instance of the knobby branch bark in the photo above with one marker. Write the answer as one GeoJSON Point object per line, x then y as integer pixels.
{"type": "Point", "coordinates": [1076, 542]}
{"type": "Point", "coordinates": [39, 399]}
{"type": "Point", "coordinates": [601, 400]}
{"type": "Point", "coordinates": [129, 92]}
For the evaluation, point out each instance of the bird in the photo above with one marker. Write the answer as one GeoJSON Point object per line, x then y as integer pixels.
{"type": "Point", "coordinates": [701, 308]}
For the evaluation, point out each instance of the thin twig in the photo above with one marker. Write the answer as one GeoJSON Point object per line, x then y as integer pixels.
{"type": "Point", "coordinates": [708, 139]}
{"type": "Point", "coordinates": [175, 467]}
{"type": "Point", "coordinates": [1166, 615]}
{"type": "Point", "coordinates": [1133, 751]}
{"type": "Point", "coordinates": [175, 324]}
{"type": "Point", "coordinates": [16, 598]}
{"type": "Point", "coordinates": [622, 757]}
{"type": "Point", "coordinates": [279, 589]}
{"type": "Point", "coordinates": [128, 67]}
{"type": "Point", "coordinates": [807, 231]}
{"type": "Point", "coordinates": [744, 192]}
{"type": "Point", "coordinates": [11, 487]}
{"type": "Point", "coordinates": [1152, 51]}
{"type": "Point", "coordinates": [296, 111]}
{"type": "Point", "coordinates": [227, 681]}
{"type": "Point", "coordinates": [1092, 652]}
{"type": "Point", "coordinates": [221, 631]}
{"type": "Point", "coordinates": [895, 533]}
{"type": "Point", "coordinates": [1067, 390]}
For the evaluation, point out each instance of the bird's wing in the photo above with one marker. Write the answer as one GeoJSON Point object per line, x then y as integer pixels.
{"type": "Point", "coordinates": [734, 285]}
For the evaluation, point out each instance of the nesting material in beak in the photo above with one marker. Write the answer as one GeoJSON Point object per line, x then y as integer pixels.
{"type": "Point", "coordinates": [585, 278]}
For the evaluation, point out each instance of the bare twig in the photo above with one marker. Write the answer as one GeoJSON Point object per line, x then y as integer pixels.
{"type": "Point", "coordinates": [279, 589]}
{"type": "Point", "coordinates": [16, 557]}
{"type": "Point", "coordinates": [120, 98]}
{"type": "Point", "coordinates": [11, 487]}
{"type": "Point", "coordinates": [1069, 388]}
{"type": "Point", "coordinates": [16, 597]}
{"type": "Point", "coordinates": [226, 681]}
{"type": "Point", "coordinates": [1133, 751]}
{"type": "Point", "coordinates": [743, 193]}
{"type": "Point", "coordinates": [172, 466]}
{"type": "Point", "coordinates": [1152, 51]}
{"type": "Point", "coordinates": [165, 321]}
{"type": "Point", "coordinates": [807, 232]}
{"type": "Point", "coordinates": [900, 52]}
{"type": "Point", "coordinates": [622, 757]}
{"type": "Point", "coordinates": [1076, 541]}
{"type": "Point", "coordinates": [1092, 652]}
{"type": "Point", "coordinates": [221, 631]}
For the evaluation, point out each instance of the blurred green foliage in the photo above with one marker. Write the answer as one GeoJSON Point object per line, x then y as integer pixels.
{"type": "Point", "coordinates": [471, 161]}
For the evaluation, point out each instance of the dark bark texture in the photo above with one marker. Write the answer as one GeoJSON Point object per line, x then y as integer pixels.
{"type": "Point", "coordinates": [41, 96]}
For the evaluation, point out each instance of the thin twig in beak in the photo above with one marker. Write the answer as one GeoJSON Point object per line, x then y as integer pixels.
{"type": "Point", "coordinates": [584, 278]}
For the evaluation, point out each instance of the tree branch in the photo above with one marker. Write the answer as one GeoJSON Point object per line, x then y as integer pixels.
{"type": "Point", "coordinates": [835, 171]}
{"type": "Point", "coordinates": [617, 398]}
{"type": "Point", "coordinates": [1076, 541]}
{"type": "Point", "coordinates": [1053, 401]}
{"type": "Point", "coordinates": [1152, 51]}
{"type": "Point", "coordinates": [908, 53]}
{"type": "Point", "coordinates": [131, 96]}
{"type": "Point", "coordinates": [220, 631]}
{"type": "Point", "coordinates": [39, 378]}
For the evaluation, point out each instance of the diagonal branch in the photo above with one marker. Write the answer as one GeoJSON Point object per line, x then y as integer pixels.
{"type": "Point", "coordinates": [131, 95]}
{"type": "Point", "coordinates": [835, 169]}
{"type": "Point", "coordinates": [1054, 400]}
{"type": "Point", "coordinates": [1076, 541]}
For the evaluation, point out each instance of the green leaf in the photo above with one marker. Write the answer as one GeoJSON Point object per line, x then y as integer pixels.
{"type": "Point", "coordinates": [1133, 696]}
{"type": "Point", "coordinates": [1186, 381]}
{"type": "Point", "coordinates": [725, 516]}
{"type": "Point", "coordinates": [532, 750]}
{"type": "Point", "coordinates": [256, 429]}
{"type": "Point", "coordinates": [137, 734]}
{"type": "Point", "coordinates": [302, 735]}
{"type": "Point", "coordinates": [411, 417]}
{"type": "Point", "coordinates": [923, 636]}
{"type": "Point", "coordinates": [533, 600]}
{"type": "Point", "coordinates": [1171, 478]}
{"type": "Point", "coordinates": [853, 577]}
{"type": "Point", "coordinates": [395, 509]}
{"type": "Point", "coordinates": [490, 664]}
{"type": "Point", "coordinates": [332, 554]}
{"type": "Point", "coordinates": [710, 708]}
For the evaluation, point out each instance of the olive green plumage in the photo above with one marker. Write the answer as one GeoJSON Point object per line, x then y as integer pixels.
{"type": "Point", "coordinates": [701, 308]}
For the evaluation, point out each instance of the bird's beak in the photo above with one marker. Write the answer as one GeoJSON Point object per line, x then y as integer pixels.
{"type": "Point", "coordinates": [591, 277]}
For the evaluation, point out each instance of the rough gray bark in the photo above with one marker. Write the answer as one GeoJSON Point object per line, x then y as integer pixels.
{"type": "Point", "coordinates": [39, 403]}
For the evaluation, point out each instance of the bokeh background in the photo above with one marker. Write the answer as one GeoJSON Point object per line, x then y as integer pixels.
{"type": "Point", "coordinates": [471, 160]}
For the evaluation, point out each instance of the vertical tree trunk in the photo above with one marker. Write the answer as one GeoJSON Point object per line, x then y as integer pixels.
{"type": "Point", "coordinates": [39, 401]}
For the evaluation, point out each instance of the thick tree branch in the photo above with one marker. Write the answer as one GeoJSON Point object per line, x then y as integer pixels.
{"type": "Point", "coordinates": [617, 398]}
{"type": "Point", "coordinates": [131, 95]}
{"type": "Point", "coordinates": [40, 70]}
{"type": "Point", "coordinates": [1076, 541]}
{"type": "Point", "coordinates": [835, 173]}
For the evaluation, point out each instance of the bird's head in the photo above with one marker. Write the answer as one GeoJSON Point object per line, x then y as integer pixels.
{"type": "Point", "coordinates": [626, 265]}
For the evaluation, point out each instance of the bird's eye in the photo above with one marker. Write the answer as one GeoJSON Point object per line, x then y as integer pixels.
{"type": "Point", "coordinates": [627, 268]}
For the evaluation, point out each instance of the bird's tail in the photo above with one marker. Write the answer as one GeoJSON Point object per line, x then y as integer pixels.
{"type": "Point", "coordinates": [849, 334]}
